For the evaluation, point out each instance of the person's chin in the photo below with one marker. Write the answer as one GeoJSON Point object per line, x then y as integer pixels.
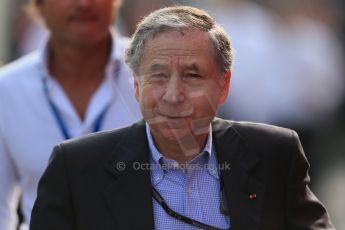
{"type": "Point", "coordinates": [176, 123]}
{"type": "Point", "coordinates": [172, 128]}
{"type": "Point", "coordinates": [176, 134]}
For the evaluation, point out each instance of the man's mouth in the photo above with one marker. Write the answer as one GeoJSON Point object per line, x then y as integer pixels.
{"type": "Point", "coordinates": [176, 116]}
{"type": "Point", "coordinates": [83, 17]}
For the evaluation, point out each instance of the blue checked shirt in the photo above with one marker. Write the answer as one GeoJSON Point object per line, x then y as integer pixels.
{"type": "Point", "coordinates": [192, 191]}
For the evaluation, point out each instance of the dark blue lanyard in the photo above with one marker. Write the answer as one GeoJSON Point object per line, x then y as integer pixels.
{"type": "Point", "coordinates": [59, 119]}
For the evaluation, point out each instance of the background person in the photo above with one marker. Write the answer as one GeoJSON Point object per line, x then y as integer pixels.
{"type": "Point", "coordinates": [76, 83]}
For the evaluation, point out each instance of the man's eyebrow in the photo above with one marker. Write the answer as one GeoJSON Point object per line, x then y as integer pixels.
{"type": "Point", "coordinates": [156, 66]}
{"type": "Point", "coordinates": [192, 67]}
{"type": "Point", "coordinates": [149, 68]}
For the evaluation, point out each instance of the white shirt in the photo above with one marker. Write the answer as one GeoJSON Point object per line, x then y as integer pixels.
{"type": "Point", "coordinates": [28, 127]}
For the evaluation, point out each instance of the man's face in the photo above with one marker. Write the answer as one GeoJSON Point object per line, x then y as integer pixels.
{"type": "Point", "coordinates": [179, 86]}
{"type": "Point", "coordinates": [78, 21]}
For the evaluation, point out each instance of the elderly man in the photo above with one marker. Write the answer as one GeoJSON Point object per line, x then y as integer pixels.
{"type": "Point", "coordinates": [180, 168]}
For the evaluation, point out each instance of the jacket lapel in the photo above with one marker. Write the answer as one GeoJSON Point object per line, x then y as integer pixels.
{"type": "Point", "coordinates": [129, 195]}
{"type": "Point", "coordinates": [244, 193]}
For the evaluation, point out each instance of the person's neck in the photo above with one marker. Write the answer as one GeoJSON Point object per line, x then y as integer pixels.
{"type": "Point", "coordinates": [183, 150]}
{"type": "Point", "coordinates": [74, 63]}
{"type": "Point", "coordinates": [79, 70]}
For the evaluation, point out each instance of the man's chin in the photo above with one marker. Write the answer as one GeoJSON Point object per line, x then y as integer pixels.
{"type": "Point", "coordinates": [178, 128]}
{"type": "Point", "coordinates": [170, 122]}
{"type": "Point", "coordinates": [176, 124]}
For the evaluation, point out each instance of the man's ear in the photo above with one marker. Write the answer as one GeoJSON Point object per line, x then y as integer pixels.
{"type": "Point", "coordinates": [224, 87]}
{"type": "Point", "coordinates": [136, 87]}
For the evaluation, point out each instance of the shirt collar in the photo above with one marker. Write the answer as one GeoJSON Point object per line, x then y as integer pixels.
{"type": "Point", "coordinates": [206, 157]}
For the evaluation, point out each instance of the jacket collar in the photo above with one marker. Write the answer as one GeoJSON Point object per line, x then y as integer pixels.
{"type": "Point", "coordinates": [244, 192]}
{"type": "Point", "coordinates": [129, 195]}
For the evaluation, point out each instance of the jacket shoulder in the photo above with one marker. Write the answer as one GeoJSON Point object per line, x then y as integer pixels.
{"type": "Point", "coordinates": [94, 142]}
{"type": "Point", "coordinates": [101, 144]}
{"type": "Point", "coordinates": [260, 129]}
{"type": "Point", "coordinates": [258, 135]}
{"type": "Point", "coordinates": [245, 128]}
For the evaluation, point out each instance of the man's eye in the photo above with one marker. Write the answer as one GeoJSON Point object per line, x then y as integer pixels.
{"type": "Point", "coordinates": [192, 76]}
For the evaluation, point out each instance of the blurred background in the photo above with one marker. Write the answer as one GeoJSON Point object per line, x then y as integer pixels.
{"type": "Point", "coordinates": [288, 70]}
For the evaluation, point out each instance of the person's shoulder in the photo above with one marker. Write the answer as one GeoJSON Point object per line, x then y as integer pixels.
{"type": "Point", "coordinates": [120, 41]}
{"type": "Point", "coordinates": [99, 144]}
{"type": "Point", "coordinates": [124, 40]}
{"type": "Point", "coordinates": [253, 130]}
{"type": "Point", "coordinates": [20, 68]}
{"type": "Point", "coordinates": [263, 140]}
{"type": "Point", "coordinates": [261, 128]}
{"type": "Point", "coordinates": [95, 141]}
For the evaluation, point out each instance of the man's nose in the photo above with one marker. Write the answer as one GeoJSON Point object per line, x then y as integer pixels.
{"type": "Point", "coordinates": [175, 91]}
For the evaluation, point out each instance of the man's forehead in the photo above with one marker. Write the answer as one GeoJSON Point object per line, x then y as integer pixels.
{"type": "Point", "coordinates": [175, 51]}
{"type": "Point", "coordinates": [190, 50]}
{"type": "Point", "coordinates": [192, 66]}
{"type": "Point", "coordinates": [177, 39]}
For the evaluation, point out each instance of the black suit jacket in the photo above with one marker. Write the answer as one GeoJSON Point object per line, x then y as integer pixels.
{"type": "Point", "coordinates": [85, 186]}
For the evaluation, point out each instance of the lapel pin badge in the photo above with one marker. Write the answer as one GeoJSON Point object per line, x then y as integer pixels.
{"type": "Point", "coordinates": [252, 196]}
